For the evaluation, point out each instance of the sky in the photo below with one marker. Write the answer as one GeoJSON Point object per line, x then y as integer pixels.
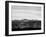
{"type": "Point", "coordinates": [25, 12]}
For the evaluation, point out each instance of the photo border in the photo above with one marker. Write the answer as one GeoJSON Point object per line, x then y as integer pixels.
{"type": "Point", "coordinates": [7, 17]}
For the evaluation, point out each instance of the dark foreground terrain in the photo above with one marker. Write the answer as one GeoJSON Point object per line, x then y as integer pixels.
{"type": "Point", "coordinates": [26, 25]}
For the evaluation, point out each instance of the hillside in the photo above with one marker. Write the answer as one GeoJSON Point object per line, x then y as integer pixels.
{"type": "Point", "coordinates": [26, 24]}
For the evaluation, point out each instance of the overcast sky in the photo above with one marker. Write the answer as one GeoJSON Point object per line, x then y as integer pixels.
{"type": "Point", "coordinates": [25, 12]}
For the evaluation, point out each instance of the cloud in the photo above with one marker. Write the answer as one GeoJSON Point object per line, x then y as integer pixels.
{"type": "Point", "coordinates": [21, 12]}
